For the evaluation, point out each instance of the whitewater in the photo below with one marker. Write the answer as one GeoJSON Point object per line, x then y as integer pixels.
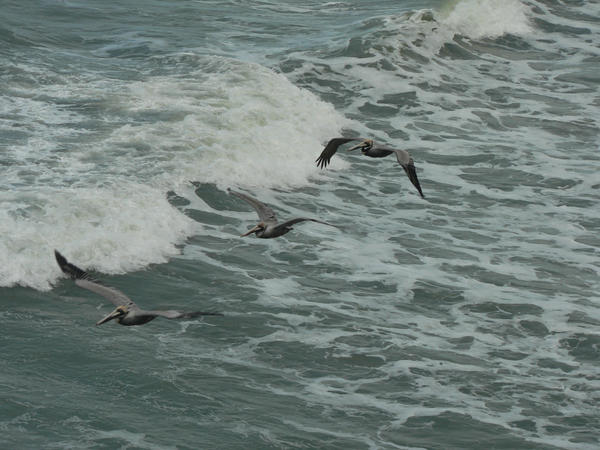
{"type": "Point", "coordinates": [467, 319]}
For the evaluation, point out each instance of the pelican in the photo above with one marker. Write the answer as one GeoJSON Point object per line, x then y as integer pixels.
{"type": "Point", "coordinates": [268, 227]}
{"type": "Point", "coordinates": [369, 149]}
{"type": "Point", "coordinates": [126, 311]}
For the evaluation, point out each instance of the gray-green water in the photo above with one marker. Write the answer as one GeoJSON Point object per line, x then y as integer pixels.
{"type": "Point", "coordinates": [466, 320]}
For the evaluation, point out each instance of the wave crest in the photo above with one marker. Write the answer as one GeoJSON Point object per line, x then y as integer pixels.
{"type": "Point", "coordinates": [478, 19]}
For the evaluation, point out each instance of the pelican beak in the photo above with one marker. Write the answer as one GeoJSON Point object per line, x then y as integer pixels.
{"type": "Point", "coordinates": [361, 145]}
{"type": "Point", "coordinates": [252, 230]}
{"type": "Point", "coordinates": [113, 315]}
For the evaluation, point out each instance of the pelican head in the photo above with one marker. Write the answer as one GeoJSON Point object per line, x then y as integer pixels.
{"type": "Point", "coordinates": [364, 145]}
{"type": "Point", "coordinates": [119, 311]}
{"type": "Point", "coordinates": [259, 227]}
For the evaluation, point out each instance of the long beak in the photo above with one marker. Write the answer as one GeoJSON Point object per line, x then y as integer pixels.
{"type": "Point", "coordinates": [362, 144]}
{"type": "Point", "coordinates": [253, 230]}
{"type": "Point", "coordinates": [113, 315]}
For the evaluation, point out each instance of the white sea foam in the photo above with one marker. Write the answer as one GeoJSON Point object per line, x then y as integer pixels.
{"type": "Point", "coordinates": [111, 229]}
{"type": "Point", "coordinates": [496, 273]}
{"type": "Point", "coordinates": [240, 124]}
{"type": "Point", "coordinates": [457, 303]}
{"type": "Point", "coordinates": [479, 19]}
{"type": "Point", "coordinates": [103, 201]}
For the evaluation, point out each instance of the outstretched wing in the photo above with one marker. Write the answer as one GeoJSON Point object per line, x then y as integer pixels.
{"type": "Point", "coordinates": [265, 213]}
{"type": "Point", "coordinates": [111, 294]}
{"type": "Point", "coordinates": [70, 269]}
{"type": "Point", "coordinates": [408, 165]}
{"type": "Point", "coordinates": [330, 149]}
{"type": "Point", "coordinates": [84, 280]}
{"type": "Point", "coordinates": [291, 222]}
{"type": "Point", "coordinates": [172, 314]}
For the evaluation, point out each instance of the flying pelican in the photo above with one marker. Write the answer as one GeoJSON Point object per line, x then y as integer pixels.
{"type": "Point", "coordinates": [268, 226]}
{"type": "Point", "coordinates": [126, 311]}
{"type": "Point", "coordinates": [369, 149]}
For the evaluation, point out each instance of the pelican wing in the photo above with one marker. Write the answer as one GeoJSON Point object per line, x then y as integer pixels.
{"type": "Point", "coordinates": [330, 149]}
{"type": "Point", "coordinates": [172, 314]}
{"type": "Point", "coordinates": [70, 269]}
{"type": "Point", "coordinates": [111, 294]}
{"type": "Point", "coordinates": [408, 165]}
{"type": "Point", "coordinates": [291, 222]}
{"type": "Point", "coordinates": [265, 213]}
{"type": "Point", "coordinates": [84, 280]}
{"type": "Point", "coordinates": [403, 157]}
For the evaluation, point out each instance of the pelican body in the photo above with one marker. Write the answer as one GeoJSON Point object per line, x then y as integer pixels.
{"type": "Point", "coordinates": [126, 311]}
{"type": "Point", "coordinates": [368, 148]}
{"type": "Point", "coordinates": [269, 227]}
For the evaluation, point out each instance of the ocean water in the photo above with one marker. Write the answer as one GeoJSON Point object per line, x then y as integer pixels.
{"type": "Point", "coordinates": [466, 320]}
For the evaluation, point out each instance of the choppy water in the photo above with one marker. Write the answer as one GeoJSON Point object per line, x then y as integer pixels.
{"type": "Point", "coordinates": [466, 320]}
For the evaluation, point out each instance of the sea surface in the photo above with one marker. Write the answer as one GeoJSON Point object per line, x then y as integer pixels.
{"type": "Point", "coordinates": [466, 320]}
